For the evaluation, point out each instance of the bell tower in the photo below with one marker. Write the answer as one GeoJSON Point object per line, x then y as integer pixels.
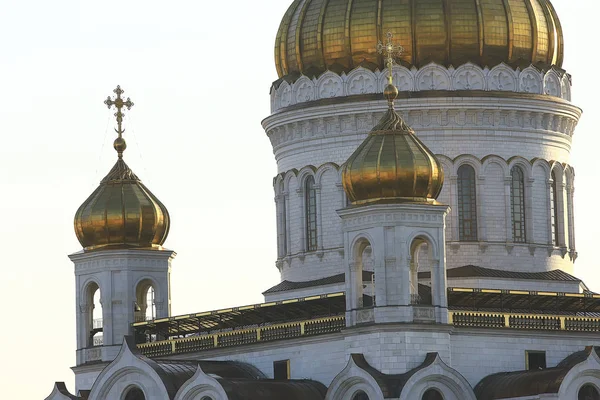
{"type": "Point", "coordinates": [122, 274]}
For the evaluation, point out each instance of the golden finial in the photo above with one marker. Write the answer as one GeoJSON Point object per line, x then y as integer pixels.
{"type": "Point", "coordinates": [390, 51]}
{"type": "Point", "coordinates": [119, 103]}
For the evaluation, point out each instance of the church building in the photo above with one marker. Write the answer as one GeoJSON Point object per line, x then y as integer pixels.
{"type": "Point", "coordinates": [425, 226]}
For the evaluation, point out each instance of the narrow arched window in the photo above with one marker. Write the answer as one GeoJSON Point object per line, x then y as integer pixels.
{"type": "Point", "coordinates": [554, 209]}
{"type": "Point", "coordinates": [588, 392]}
{"type": "Point", "coordinates": [97, 331]}
{"type": "Point", "coordinates": [360, 395]}
{"type": "Point", "coordinates": [135, 394]}
{"type": "Point", "coordinates": [311, 214]}
{"type": "Point", "coordinates": [517, 200]}
{"type": "Point", "coordinates": [467, 204]}
{"type": "Point", "coordinates": [432, 394]}
{"type": "Point", "coordinates": [283, 226]}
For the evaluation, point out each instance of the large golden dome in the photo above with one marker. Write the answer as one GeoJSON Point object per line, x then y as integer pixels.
{"type": "Point", "coordinates": [340, 35]}
{"type": "Point", "coordinates": [392, 164]}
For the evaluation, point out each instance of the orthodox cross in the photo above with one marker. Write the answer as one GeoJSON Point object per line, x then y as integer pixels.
{"type": "Point", "coordinates": [119, 103]}
{"type": "Point", "coordinates": [390, 51]}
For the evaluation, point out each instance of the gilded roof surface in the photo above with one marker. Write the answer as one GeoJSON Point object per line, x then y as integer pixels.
{"type": "Point", "coordinates": [121, 212]}
{"type": "Point", "coordinates": [340, 35]}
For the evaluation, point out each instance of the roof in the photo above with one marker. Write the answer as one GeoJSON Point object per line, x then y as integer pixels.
{"type": "Point", "coordinates": [471, 271]}
{"type": "Point", "coordinates": [270, 389]}
{"type": "Point", "coordinates": [329, 280]}
{"type": "Point", "coordinates": [391, 385]}
{"type": "Point", "coordinates": [264, 314]}
{"type": "Point", "coordinates": [528, 383]}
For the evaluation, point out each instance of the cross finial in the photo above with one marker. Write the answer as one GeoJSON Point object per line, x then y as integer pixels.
{"type": "Point", "coordinates": [390, 51]}
{"type": "Point", "coordinates": [119, 103]}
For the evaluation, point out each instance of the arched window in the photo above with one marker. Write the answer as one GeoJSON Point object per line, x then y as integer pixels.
{"type": "Point", "coordinates": [588, 392]}
{"type": "Point", "coordinates": [311, 214]}
{"type": "Point", "coordinates": [283, 222]}
{"type": "Point", "coordinates": [360, 395]}
{"type": "Point", "coordinates": [135, 394]}
{"type": "Point", "coordinates": [97, 325]}
{"type": "Point", "coordinates": [467, 204]}
{"type": "Point", "coordinates": [554, 209]}
{"type": "Point", "coordinates": [432, 394]}
{"type": "Point", "coordinates": [145, 303]}
{"type": "Point", "coordinates": [517, 200]}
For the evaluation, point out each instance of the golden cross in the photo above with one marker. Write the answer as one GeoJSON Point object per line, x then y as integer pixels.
{"type": "Point", "coordinates": [119, 103]}
{"type": "Point", "coordinates": [390, 51]}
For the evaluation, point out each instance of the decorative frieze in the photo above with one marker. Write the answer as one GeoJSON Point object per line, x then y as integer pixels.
{"type": "Point", "coordinates": [430, 77]}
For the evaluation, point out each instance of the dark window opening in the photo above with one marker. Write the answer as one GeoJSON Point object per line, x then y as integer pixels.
{"type": "Point", "coordinates": [467, 204]}
{"type": "Point", "coordinates": [432, 394]}
{"type": "Point", "coordinates": [281, 370]}
{"type": "Point", "coordinates": [311, 214]}
{"type": "Point", "coordinates": [360, 395]}
{"type": "Point", "coordinates": [588, 392]}
{"type": "Point", "coordinates": [536, 360]}
{"type": "Point", "coordinates": [517, 200]}
{"type": "Point", "coordinates": [135, 394]}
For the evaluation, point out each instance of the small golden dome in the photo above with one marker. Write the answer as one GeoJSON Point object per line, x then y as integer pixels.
{"type": "Point", "coordinates": [121, 213]}
{"type": "Point", "coordinates": [392, 164]}
{"type": "Point", "coordinates": [340, 35]}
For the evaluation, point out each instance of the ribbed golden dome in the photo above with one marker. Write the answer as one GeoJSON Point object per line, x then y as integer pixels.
{"type": "Point", "coordinates": [392, 164]}
{"type": "Point", "coordinates": [339, 35]}
{"type": "Point", "coordinates": [121, 213]}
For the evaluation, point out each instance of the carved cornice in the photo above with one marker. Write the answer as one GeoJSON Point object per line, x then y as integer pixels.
{"type": "Point", "coordinates": [432, 77]}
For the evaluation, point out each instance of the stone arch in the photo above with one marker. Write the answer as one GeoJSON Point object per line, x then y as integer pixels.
{"type": "Point", "coordinates": [433, 77]}
{"type": "Point", "coordinates": [468, 77]}
{"type": "Point", "coordinates": [133, 392]}
{"type": "Point", "coordinates": [586, 372]}
{"type": "Point", "coordinates": [494, 159]}
{"type": "Point", "coordinates": [402, 77]}
{"type": "Point", "coordinates": [201, 386]}
{"type": "Point", "coordinates": [284, 95]}
{"type": "Point", "coordinates": [565, 84]}
{"type": "Point", "coordinates": [279, 184]}
{"type": "Point", "coordinates": [127, 370]}
{"type": "Point", "coordinates": [363, 295]}
{"type": "Point", "coordinates": [330, 166]}
{"type": "Point", "coordinates": [351, 380]}
{"type": "Point", "coordinates": [422, 255]}
{"type": "Point", "coordinates": [304, 173]}
{"type": "Point", "coordinates": [330, 85]}
{"type": "Point", "coordinates": [361, 81]}
{"type": "Point", "coordinates": [144, 288]}
{"type": "Point", "coordinates": [469, 159]}
{"type": "Point", "coordinates": [92, 315]}
{"type": "Point", "coordinates": [288, 177]}
{"type": "Point", "coordinates": [541, 163]}
{"type": "Point", "coordinates": [502, 78]}
{"type": "Point", "coordinates": [437, 375]}
{"type": "Point", "coordinates": [521, 162]}
{"type": "Point", "coordinates": [530, 81]}
{"type": "Point", "coordinates": [304, 90]}
{"type": "Point", "coordinates": [552, 84]}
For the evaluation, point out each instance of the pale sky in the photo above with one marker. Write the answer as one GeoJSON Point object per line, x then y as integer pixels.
{"type": "Point", "coordinates": [199, 73]}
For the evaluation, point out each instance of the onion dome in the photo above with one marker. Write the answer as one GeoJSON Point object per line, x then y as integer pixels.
{"type": "Point", "coordinates": [392, 164]}
{"type": "Point", "coordinates": [340, 35]}
{"type": "Point", "coordinates": [121, 212]}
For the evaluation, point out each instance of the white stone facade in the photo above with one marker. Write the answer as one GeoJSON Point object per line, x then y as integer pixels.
{"type": "Point", "coordinates": [488, 127]}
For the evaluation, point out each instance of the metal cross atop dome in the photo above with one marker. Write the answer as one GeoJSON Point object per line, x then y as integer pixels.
{"type": "Point", "coordinates": [119, 103]}
{"type": "Point", "coordinates": [390, 51]}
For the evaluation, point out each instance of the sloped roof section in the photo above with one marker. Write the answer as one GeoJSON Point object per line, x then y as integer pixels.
{"type": "Point", "coordinates": [473, 271]}
{"type": "Point", "coordinates": [529, 383]}
{"type": "Point", "coordinates": [273, 389]}
{"type": "Point", "coordinates": [329, 280]}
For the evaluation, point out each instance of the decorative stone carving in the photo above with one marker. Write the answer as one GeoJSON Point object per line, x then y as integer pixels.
{"type": "Point", "coordinates": [431, 77]}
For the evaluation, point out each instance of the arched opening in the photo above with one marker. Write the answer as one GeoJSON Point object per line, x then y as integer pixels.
{"type": "Point", "coordinates": [310, 203]}
{"type": "Point", "coordinates": [207, 398]}
{"type": "Point", "coordinates": [467, 204]}
{"type": "Point", "coordinates": [135, 394]}
{"type": "Point", "coordinates": [364, 274]}
{"type": "Point", "coordinates": [517, 202]}
{"type": "Point", "coordinates": [360, 395]}
{"type": "Point", "coordinates": [421, 261]}
{"type": "Point", "coordinates": [432, 394]}
{"type": "Point", "coordinates": [145, 305]}
{"type": "Point", "coordinates": [554, 209]}
{"type": "Point", "coordinates": [588, 392]}
{"type": "Point", "coordinates": [94, 324]}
